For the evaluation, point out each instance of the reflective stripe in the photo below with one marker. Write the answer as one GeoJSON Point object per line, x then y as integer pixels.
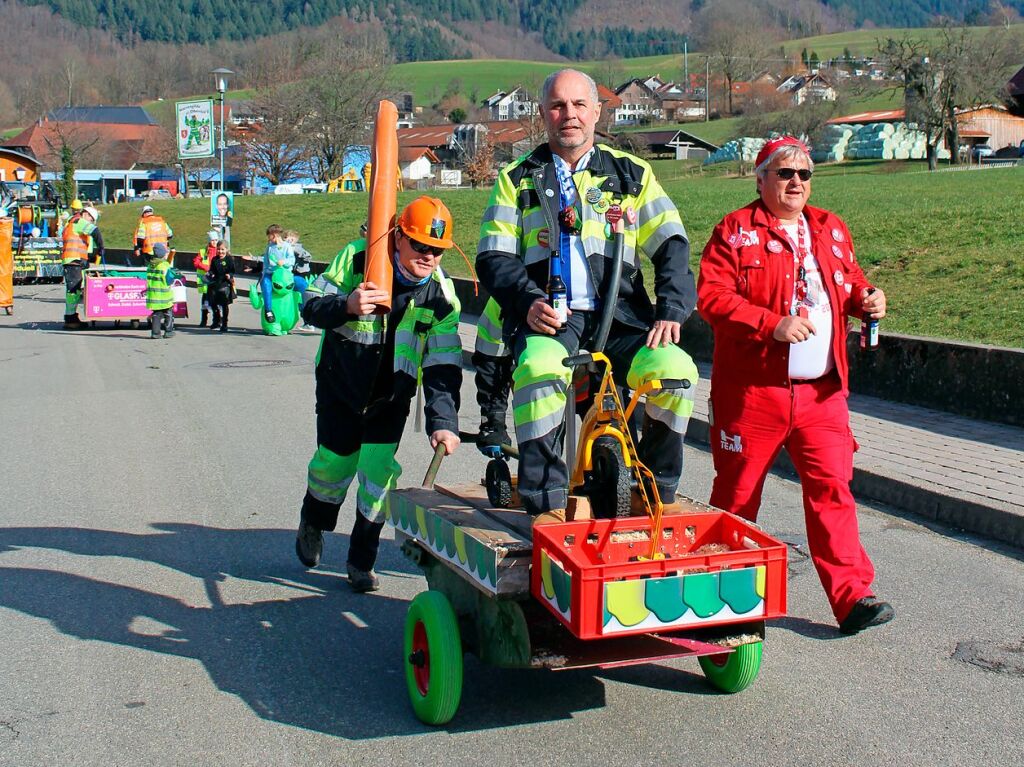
{"type": "Point", "coordinates": [405, 365]}
{"type": "Point", "coordinates": [673, 413]}
{"type": "Point", "coordinates": [506, 243]}
{"type": "Point", "coordinates": [442, 341]}
{"type": "Point", "coordinates": [656, 207]}
{"type": "Point", "coordinates": [373, 489]}
{"type": "Point", "coordinates": [367, 338]}
{"type": "Point", "coordinates": [489, 348]}
{"type": "Point", "coordinates": [534, 221]}
{"type": "Point", "coordinates": [373, 510]}
{"type": "Point", "coordinates": [487, 325]}
{"type": "Point", "coordinates": [442, 358]}
{"type": "Point", "coordinates": [502, 214]}
{"type": "Point", "coordinates": [404, 337]}
{"type": "Point", "coordinates": [660, 235]}
{"type": "Point", "coordinates": [538, 428]}
{"type": "Point", "coordinates": [328, 492]}
{"type": "Point", "coordinates": [536, 253]}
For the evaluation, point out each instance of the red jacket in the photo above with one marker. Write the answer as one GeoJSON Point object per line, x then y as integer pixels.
{"type": "Point", "coordinates": [746, 284]}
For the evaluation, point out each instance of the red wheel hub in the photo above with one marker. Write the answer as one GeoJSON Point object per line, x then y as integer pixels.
{"type": "Point", "coordinates": [719, 660]}
{"type": "Point", "coordinates": [421, 648]}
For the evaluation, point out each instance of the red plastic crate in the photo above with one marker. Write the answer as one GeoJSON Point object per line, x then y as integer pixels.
{"type": "Point", "coordinates": [718, 569]}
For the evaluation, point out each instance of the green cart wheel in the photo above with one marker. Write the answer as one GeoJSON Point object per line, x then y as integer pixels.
{"type": "Point", "coordinates": [433, 658]}
{"type": "Point", "coordinates": [735, 671]}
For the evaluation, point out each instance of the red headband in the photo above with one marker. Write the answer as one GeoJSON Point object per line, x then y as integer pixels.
{"type": "Point", "coordinates": [778, 143]}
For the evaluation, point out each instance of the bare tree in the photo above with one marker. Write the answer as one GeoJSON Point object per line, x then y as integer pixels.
{"type": "Point", "coordinates": [277, 149]}
{"type": "Point", "coordinates": [479, 165]}
{"type": "Point", "coordinates": [951, 71]}
{"type": "Point", "coordinates": [337, 101]}
{"type": "Point", "coordinates": [737, 34]}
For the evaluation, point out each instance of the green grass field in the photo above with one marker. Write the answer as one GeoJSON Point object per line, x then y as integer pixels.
{"type": "Point", "coordinates": [946, 247]}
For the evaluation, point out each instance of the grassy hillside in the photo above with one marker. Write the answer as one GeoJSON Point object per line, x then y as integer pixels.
{"type": "Point", "coordinates": [944, 246]}
{"type": "Point", "coordinates": [864, 42]}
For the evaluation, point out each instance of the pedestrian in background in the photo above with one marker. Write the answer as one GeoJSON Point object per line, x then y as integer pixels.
{"type": "Point", "coordinates": [779, 281]}
{"type": "Point", "coordinates": [159, 298]}
{"type": "Point", "coordinates": [221, 286]}
{"type": "Point", "coordinates": [300, 272]}
{"type": "Point", "coordinates": [278, 253]}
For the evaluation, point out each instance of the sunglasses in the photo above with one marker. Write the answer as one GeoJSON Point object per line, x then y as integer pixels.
{"type": "Point", "coordinates": [423, 249]}
{"type": "Point", "coordinates": [786, 174]}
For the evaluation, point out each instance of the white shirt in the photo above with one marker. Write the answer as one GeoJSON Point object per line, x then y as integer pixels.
{"type": "Point", "coordinates": [812, 358]}
{"type": "Point", "coordinates": [583, 296]}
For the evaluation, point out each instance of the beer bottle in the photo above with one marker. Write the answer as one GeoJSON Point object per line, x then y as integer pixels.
{"type": "Point", "coordinates": [557, 296]}
{"type": "Point", "coordinates": [869, 331]}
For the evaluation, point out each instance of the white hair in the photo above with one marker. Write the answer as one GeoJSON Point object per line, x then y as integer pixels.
{"type": "Point", "coordinates": [785, 152]}
{"type": "Point", "coordinates": [549, 83]}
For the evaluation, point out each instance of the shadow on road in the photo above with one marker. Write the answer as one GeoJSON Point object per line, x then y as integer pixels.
{"type": "Point", "coordinates": [326, 659]}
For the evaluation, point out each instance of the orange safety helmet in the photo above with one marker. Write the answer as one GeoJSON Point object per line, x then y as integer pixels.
{"type": "Point", "coordinates": [427, 220]}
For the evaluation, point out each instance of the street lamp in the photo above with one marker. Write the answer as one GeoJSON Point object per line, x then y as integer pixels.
{"type": "Point", "coordinates": [220, 77]}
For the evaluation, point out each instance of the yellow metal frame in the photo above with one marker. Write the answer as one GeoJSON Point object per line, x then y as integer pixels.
{"type": "Point", "coordinates": [607, 418]}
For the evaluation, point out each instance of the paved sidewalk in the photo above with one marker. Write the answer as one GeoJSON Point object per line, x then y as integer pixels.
{"type": "Point", "coordinates": [950, 469]}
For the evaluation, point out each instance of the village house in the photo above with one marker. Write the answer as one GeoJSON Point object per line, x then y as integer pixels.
{"type": "Point", "coordinates": [515, 104]}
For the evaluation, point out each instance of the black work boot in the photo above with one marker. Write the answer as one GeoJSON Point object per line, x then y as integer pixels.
{"type": "Point", "coordinates": [867, 612]}
{"type": "Point", "coordinates": [71, 322]}
{"type": "Point", "coordinates": [362, 581]}
{"type": "Point", "coordinates": [204, 317]}
{"type": "Point", "coordinates": [309, 544]}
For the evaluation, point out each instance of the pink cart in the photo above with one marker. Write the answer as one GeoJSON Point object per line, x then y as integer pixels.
{"type": "Point", "coordinates": [118, 294]}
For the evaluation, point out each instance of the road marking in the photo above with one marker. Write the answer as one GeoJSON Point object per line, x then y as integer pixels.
{"type": "Point", "coordinates": [355, 620]}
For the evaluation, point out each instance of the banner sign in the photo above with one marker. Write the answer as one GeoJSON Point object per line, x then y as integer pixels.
{"type": "Point", "coordinates": [194, 125]}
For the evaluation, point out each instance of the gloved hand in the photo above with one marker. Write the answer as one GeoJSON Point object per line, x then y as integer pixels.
{"type": "Point", "coordinates": [493, 434]}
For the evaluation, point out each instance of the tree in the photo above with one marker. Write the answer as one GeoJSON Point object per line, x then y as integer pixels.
{"type": "Point", "coordinates": [337, 101]}
{"type": "Point", "coordinates": [69, 146]}
{"type": "Point", "coordinates": [457, 115]}
{"type": "Point", "coordinates": [277, 150]}
{"type": "Point", "coordinates": [479, 165]}
{"type": "Point", "coordinates": [950, 71]}
{"type": "Point", "coordinates": [738, 35]}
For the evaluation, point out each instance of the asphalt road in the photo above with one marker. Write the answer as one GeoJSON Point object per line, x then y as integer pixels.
{"type": "Point", "coordinates": [152, 610]}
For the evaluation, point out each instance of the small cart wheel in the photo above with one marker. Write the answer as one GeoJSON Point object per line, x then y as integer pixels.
{"type": "Point", "coordinates": [498, 480]}
{"type": "Point", "coordinates": [610, 480]}
{"type": "Point", "coordinates": [735, 671]}
{"type": "Point", "coordinates": [433, 658]}
{"type": "Point", "coordinates": [133, 324]}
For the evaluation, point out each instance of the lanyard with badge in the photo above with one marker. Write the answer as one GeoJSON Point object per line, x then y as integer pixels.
{"type": "Point", "coordinates": [801, 250]}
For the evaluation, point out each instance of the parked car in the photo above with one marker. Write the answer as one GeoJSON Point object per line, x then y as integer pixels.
{"type": "Point", "coordinates": [156, 194]}
{"type": "Point", "coordinates": [981, 150]}
{"type": "Point", "coordinates": [194, 193]}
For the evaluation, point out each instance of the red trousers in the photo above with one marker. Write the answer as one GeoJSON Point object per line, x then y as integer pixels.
{"type": "Point", "coordinates": [749, 425]}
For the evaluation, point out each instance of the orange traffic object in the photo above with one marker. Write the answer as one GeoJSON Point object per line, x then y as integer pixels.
{"type": "Point", "coordinates": [383, 201]}
{"type": "Point", "coordinates": [6, 265]}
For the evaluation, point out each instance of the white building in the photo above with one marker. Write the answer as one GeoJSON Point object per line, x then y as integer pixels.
{"type": "Point", "coordinates": [511, 105]}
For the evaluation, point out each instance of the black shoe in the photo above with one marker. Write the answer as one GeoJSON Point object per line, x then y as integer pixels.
{"type": "Point", "coordinates": [223, 328]}
{"type": "Point", "coordinates": [71, 322]}
{"type": "Point", "coordinates": [269, 316]}
{"type": "Point", "coordinates": [309, 544]}
{"type": "Point", "coordinates": [867, 612]}
{"type": "Point", "coordinates": [362, 581]}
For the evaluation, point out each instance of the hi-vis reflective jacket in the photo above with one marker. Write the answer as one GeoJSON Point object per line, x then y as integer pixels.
{"type": "Point", "coordinates": [76, 239]}
{"type": "Point", "coordinates": [520, 231]}
{"type": "Point", "coordinates": [152, 230]}
{"type": "Point", "coordinates": [424, 322]}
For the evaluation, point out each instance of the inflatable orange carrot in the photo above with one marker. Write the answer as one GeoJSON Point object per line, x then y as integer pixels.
{"type": "Point", "coordinates": [383, 200]}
